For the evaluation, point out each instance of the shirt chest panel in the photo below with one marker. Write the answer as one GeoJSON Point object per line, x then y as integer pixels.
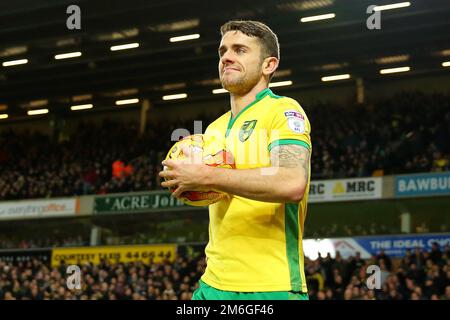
{"type": "Point", "coordinates": [248, 139]}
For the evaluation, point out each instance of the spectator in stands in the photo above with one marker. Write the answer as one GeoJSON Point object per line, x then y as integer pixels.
{"type": "Point", "coordinates": [435, 254]}
{"type": "Point", "coordinates": [417, 258]}
{"type": "Point", "coordinates": [382, 258]}
{"type": "Point", "coordinates": [446, 296]}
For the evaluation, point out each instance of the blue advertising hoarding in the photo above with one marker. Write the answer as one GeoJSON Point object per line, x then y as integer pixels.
{"type": "Point", "coordinates": [392, 245]}
{"type": "Point", "coordinates": [422, 184]}
{"type": "Point", "coordinates": [396, 246]}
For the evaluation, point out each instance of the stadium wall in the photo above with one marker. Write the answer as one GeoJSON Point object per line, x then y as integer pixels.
{"type": "Point", "coordinates": [394, 246]}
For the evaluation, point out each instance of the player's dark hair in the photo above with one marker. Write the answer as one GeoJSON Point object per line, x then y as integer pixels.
{"type": "Point", "coordinates": [267, 38]}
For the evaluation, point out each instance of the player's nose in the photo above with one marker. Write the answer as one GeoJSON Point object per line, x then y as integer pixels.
{"type": "Point", "coordinates": [227, 58]}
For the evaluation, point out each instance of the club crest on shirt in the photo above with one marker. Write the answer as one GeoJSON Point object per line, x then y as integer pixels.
{"type": "Point", "coordinates": [296, 121]}
{"type": "Point", "coordinates": [246, 130]}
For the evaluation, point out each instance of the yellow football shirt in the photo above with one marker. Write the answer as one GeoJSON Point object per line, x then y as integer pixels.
{"type": "Point", "coordinates": [253, 245]}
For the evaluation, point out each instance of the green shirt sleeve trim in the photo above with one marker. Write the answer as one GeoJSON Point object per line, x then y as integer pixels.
{"type": "Point", "coordinates": [289, 141]}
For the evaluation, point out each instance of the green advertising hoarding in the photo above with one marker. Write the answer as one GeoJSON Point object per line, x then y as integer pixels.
{"type": "Point", "coordinates": [136, 202]}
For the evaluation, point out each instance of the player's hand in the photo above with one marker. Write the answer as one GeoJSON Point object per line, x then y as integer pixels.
{"type": "Point", "coordinates": [189, 174]}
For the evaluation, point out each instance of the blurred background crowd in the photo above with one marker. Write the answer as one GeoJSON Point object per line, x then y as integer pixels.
{"type": "Point", "coordinates": [419, 275]}
{"type": "Point", "coordinates": [391, 136]}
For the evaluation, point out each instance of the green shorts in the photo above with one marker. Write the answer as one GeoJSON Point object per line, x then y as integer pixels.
{"type": "Point", "coordinates": [206, 292]}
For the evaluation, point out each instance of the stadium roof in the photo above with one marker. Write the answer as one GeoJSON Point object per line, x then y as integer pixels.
{"type": "Point", "coordinates": [416, 36]}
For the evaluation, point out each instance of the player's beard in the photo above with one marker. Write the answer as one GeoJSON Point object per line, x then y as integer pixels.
{"type": "Point", "coordinates": [242, 83]}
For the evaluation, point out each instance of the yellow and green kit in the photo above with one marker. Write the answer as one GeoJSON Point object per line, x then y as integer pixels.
{"type": "Point", "coordinates": [256, 246]}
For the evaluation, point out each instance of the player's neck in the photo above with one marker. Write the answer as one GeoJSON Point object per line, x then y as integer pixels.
{"type": "Point", "coordinates": [239, 102]}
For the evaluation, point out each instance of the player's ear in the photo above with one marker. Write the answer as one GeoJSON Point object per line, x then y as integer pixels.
{"type": "Point", "coordinates": [270, 64]}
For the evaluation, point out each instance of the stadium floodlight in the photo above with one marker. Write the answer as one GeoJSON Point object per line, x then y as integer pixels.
{"type": "Point", "coordinates": [14, 62]}
{"type": "Point", "coordinates": [37, 111]}
{"type": "Point", "coordinates": [81, 107]}
{"type": "Point", "coordinates": [126, 101]}
{"type": "Point", "coordinates": [319, 17]}
{"type": "Point", "coordinates": [175, 96]}
{"type": "Point", "coordinates": [446, 64]}
{"type": "Point", "coordinates": [3, 116]}
{"type": "Point", "coordinates": [280, 84]}
{"type": "Point", "coordinates": [392, 6]}
{"type": "Point", "coordinates": [395, 70]}
{"type": "Point", "coordinates": [68, 55]}
{"type": "Point", "coordinates": [217, 91]}
{"type": "Point", "coordinates": [185, 38]}
{"type": "Point", "coordinates": [125, 46]}
{"type": "Point", "coordinates": [336, 77]}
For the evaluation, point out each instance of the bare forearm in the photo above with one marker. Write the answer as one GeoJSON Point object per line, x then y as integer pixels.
{"type": "Point", "coordinates": [273, 184]}
{"type": "Point", "coordinates": [285, 181]}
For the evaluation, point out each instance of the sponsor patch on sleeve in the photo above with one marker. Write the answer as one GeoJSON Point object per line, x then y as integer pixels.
{"type": "Point", "coordinates": [295, 120]}
{"type": "Point", "coordinates": [293, 113]}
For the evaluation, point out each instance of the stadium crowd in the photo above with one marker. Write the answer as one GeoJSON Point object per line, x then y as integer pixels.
{"type": "Point", "coordinates": [407, 133]}
{"type": "Point", "coordinates": [43, 242]}
{"type": "Point", "coordinates": [391, 136]}
{"type": "Point", "coordinates": [419, 275]}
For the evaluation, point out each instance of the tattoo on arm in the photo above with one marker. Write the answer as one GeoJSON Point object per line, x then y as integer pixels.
{"type": "Point", "coordinates": [291, 156]}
